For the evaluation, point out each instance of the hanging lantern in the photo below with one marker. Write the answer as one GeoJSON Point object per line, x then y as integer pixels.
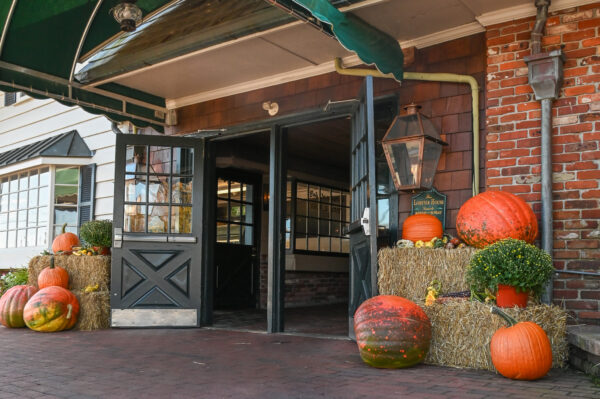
{"type": "Point", "coordinates": [412, 147]}
{"type": "Point", "coordinates": [127, 14]}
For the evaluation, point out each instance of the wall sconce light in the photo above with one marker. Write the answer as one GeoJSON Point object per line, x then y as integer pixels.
{"type": "Point", "coordinates": [266, 197]}
{"type": "Point", "coordinates": [412, 147]}
{"type": "Point", "coordinates": [127, 14]}
{"type": "Point", "coordinates": [271, 107]}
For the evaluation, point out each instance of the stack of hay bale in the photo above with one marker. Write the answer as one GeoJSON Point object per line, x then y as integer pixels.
{"type": "Point", "coordinates": [461, 329]}
{"type": "Point", "coordinates": [91, 272]}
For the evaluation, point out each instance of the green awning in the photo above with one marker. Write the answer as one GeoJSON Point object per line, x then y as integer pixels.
{"type": "Point", "coordinates": [42, 40]}
{"type": "Point", "coordinates": [372, 46]}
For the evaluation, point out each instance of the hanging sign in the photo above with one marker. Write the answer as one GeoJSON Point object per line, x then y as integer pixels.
{"type": "Point", "coordinates": [431, 202]}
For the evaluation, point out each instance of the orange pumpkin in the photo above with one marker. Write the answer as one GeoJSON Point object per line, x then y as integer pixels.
{"type": "Point", "coordinates": [51, 309]}
{"type": "Point", "coordinates": [521, 351]}
{"type": "Point", "coordinates": [494, 215]}
{"type": "Point", "coordinates": [421, 227]}
{"type": "Point", "coordinates": [53, 276]}
{"type": "Point", "coordinates": [65, 241]}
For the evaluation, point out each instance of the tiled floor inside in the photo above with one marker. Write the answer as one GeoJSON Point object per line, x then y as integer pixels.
{"type": "Point", "coordinates": [329, 320]}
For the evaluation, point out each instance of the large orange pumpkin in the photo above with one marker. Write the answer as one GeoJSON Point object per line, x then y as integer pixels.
{"type": "Point", "coordinates": [421, 227]}
{"type": "Point", "coordinates": [521, 351]}
{"type": "Point", "coordinates": [53, 276]}
{"type": "Point", "coordinates": [494, 215]}
{"type": "Point", "coordinates": [51, 309]}
{"type": "Point", "coordinates": [65, 241]}
{"type": "Point", "coordinates": [12, 303]}
{"type": "Point", "coordinates": [391, 332]}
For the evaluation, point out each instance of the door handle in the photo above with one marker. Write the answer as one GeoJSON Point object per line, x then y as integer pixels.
{"type": "Point", "coordinates": [364, 221]}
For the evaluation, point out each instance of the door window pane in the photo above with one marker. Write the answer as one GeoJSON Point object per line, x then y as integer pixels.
{"type": "Point", "coordinates": [222, 232]}
{"type": "Point", "coordinates": [181, 219]}
{"type": "Point", "coordinates": [235, 191]}
{"type": "Point", "coordinates": [158, 189]}
{"type": "Point", "coordinates": [182, 190]}
{"type": "Point", "coordinates": [160, 159]}
{"type": "Point", "coordinates": [135, 159]}
{"type": "Point", "coordinates": [158, 219]}
{"type": "Point", "coordinates": [246, 237]}
{"type": "Point", "coordinates": [134, 219]}
{"type": "Point", "coordinates": [183, 161]}
{"type": "Point", "coordinates": [135, 188]}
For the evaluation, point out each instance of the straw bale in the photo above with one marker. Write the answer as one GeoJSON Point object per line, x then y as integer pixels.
{"type": "Point", "coordinates": [462, 331]}
{"type": "Point", "coordinates": [407, 272]}
{"type": "Point", "coordinates": [94, 310]}
{"type": "Point", "coordinates": [83, 270]}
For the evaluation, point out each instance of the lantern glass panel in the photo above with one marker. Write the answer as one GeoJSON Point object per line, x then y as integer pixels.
{"type": "Point", "coordinates": [405, 161]}
{"type": "Point", "coordinates": [431, 156]}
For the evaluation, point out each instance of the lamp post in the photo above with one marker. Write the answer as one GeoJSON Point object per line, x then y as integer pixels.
{"type": "Point", "coordinates": [412, 147]}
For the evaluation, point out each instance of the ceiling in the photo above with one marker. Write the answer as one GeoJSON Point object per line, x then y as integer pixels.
{"type": "Point", "coordinates": [296, 50]}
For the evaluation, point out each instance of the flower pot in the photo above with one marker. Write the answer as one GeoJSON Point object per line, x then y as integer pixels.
{"type": "Point", "coordinates": [508, 297]}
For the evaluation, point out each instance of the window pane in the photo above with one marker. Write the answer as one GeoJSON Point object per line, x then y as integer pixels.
{"type": "Point", "coordinates": [12, 220]}
{"type": "Point", "coordinates": [12, 238]}
{"type": "Point", "coordinates": [158, 219]}
{"type": "Point", "coordinates": [22, 222]}
{"type": "Point", "coordinates": [336, 245]}
{"type": "Point", "coordinates": [313, 209]}
{"type": "Point", "coordinates": [4, 186]}
{"type": "Point", "coordinates": [300, 241]}
{"type": "Point", "coordinates": [288, 241]}
{"type": "Point", "coordinates": [135, 188]}
{"type": "Point", "coordinates": [313, 193]}
{"type": "Point", "coordinates": [3, 239]}
{"type": "Point", "coordinates": [65, 195]}
{"type": "Point", "coordinates": [181, 219]}
{"type": "Point", "coordinates": [182, 190]}
{"type": "Point", "coordinates": [64, 214]}
{"type": "Point", "coordinates": [13, 201]}
{"type": "Point", "coordinates": [14, 184]}
{"type": "Point", "coordinates": [183, 161]}
{"type": "Point", "coordinates": [235, 191]}
{"type": "Point", "coordinates": [313, 243]}
{"type": "Point", "coordinates": [222, 232]}
{"type": "Point", "coordinates": [32, 218]}
{"type": "Point", "coordinates": [325, 211]}
{"type": "Point", "coordinates": [67, 176]}
{"type": "Point", "coordinates": [336, 229]}
{"type": "Point", "coordinates": [302, 191]}
{"type": "Point", "coordinates": [325, 195]}
{"type": "Point", "coordinates": [345, 245]}
{"type": "Point", "coordinates": [23, 181]}
{"type": "Point", "coordinates": [301, 207]}
{"type": "Point", "coordinates": [301, 224]}
{"type": "Point", "coordinates": [313, 227]}
{"type": "Point", "coordinates": [134, 218]}
{"type": "Point", "coordinates": [158, 189]}
{"type": "Point", "coordinates": [23, 199]}
{"type": "Point", "coordinates": [336, 197]}
{"type": "Point", "coordinates": [160, 159]}
{"type": "Point", "coordinates": [42, 215]}
{"type": "Point", "coordinates": [324, 244]}
{"type": "Point", "coordinates": [222, 188]}
{"type": "Point", "coordinates": [135, 159]}
{"type": "Point", "coordinates": [4, 203]}
{"type": "Point", "coordinates": [246, 238]}
{"type": "Point", "coordinates": [31, 239]}
{"type": "Point", "coordinates": [43, 198]}
{"type": "Point", "coordinates": [238, 212]}
{"type": "Point", "coordinates": [335, 213]}
{"type": "Point", "coordinates": [44, 177]}
{"type": "Point", "coordinates": [33, 178]}
{"type": "Point", "coordinates": [42, 237]}
{"type": "Point", "coordinates": [323, 227]}
{"type": "Point", "coordinates": [33, 197]}
{"type": "Point", "coordinates": [3, 221]}
{"type": "Point", "coordinates": [222, 210]}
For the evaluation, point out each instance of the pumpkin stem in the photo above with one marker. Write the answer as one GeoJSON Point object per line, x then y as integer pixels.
{"type": "Point", "coordinates": [70, 307]}
{"type": "Point", "coordinates": [510, 320]}
{"type": "Point", "coordinates": [52, 262]}
{"type": "Point", "coordinates": [64, 228]}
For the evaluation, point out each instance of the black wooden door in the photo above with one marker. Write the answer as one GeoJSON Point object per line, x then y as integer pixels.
{"type": "Point", "coordinates": [236, 268]}
{"type": "Point", "coordinates": [363, 210]}
{"type": "Point", "coordinates": [156, 253]}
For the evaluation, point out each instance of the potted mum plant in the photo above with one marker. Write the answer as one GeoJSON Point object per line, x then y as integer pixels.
{"type": "Point", "coordinates": [511, 268]}
{"type": "Point", "coordinates": [98, 234]}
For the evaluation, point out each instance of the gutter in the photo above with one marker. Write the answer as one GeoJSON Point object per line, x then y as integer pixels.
{"type": "Point", "coordinates": [433, 77]}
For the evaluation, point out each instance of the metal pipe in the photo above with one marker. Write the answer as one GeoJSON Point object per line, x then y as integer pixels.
{"type": "Point", "coordinates": [546, 172]}
{"type": "Point", "coordinates": [540, 22]}
{"type": "Point", "coordinates": [434, 77]}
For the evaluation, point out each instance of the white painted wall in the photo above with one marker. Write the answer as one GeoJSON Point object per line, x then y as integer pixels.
{"type": "Point", "coordinates": [31, 120]}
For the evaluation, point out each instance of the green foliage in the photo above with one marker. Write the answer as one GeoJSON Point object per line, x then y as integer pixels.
{"type": "Point", "coordinates": [12, 278]}
{"type": "Point", "coordinates": [511, 262]}
{"type": "Point", "coordinates": [97, 233]}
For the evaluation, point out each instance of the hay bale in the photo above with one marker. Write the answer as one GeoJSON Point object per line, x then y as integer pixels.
{"type": "Point", "coordinates": [408, 271]}
{"type": "Point", "coordinates": [94, 310]}
{"type": "Point", "coordinates": [462, 331]}
{"type": "Point", "coordinates": [83, 270]}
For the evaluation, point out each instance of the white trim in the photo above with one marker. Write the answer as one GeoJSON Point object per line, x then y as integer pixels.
{"type": "Point", "coordinates": [444, 35]}
{"type": "Point", "coordinates": [42, 161]}
{"type": "Point", "coordinates": [526, 10]}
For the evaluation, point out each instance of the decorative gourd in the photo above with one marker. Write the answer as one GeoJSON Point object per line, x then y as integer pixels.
{"type": "Point", "coordinates": [53, 276]}
{"type": "Point", "coordinates": [65, 241]}
{"type": "Point", "coordinates": [494, 215]}
{"type": "Point", "coordinates": [521, 351]}
{"type": "Point", "coordinates": [421, 227]}
{"type": "Point", "coordinates": [391, 332]}
{"type": "Point", "coordinates": [51, 309]}
{"type": "Point", "coordinates": [12, 303]}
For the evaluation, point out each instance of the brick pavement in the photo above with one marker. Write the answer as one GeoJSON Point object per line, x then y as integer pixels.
{"type": "Point", "coordinates": [204, 363]}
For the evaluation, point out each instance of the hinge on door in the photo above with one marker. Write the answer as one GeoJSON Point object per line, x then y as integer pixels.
{"type": "Point", "coordinates": [364, 221]}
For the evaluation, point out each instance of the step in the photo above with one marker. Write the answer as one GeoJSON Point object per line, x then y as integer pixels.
{"type": "Point", "coordinates": [584, 348]}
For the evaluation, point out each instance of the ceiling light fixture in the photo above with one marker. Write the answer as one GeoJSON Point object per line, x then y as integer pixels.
{"type": "Point", "coordinates": [127, 14]}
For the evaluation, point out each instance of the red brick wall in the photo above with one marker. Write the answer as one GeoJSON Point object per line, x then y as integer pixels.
{"type": "Point", "coordinates": [513, 142]}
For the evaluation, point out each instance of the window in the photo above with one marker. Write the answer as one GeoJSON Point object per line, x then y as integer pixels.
{"type": "Point", "coordinates": [24, 200]}
{"type": "Point", "coordinates": [10, 99]}
{"type": "Point", "coordinates": [235, 224]}
{"type": "Point", "coordinates": [66, 190]}
{"type": "Point", "coordinates": [319, 215]}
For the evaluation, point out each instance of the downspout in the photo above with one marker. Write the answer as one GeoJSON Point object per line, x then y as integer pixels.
{"type": "Point", "coordinates": [434, 77]}
{"type": "Point", "coordinates": [545, 77]}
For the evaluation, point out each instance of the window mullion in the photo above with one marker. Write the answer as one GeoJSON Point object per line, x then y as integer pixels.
{"type": "Point", "coordinates": [51, 180]}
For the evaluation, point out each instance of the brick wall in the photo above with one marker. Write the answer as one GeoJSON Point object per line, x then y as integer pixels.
{"type": "Point", "coordinates": [513, 142]}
